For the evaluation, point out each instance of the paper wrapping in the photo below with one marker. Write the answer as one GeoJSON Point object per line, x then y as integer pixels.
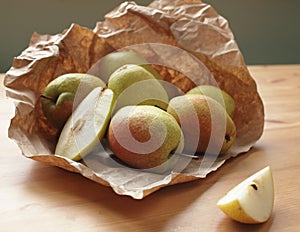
{"type": "Point", "coordinates": [174, 35]}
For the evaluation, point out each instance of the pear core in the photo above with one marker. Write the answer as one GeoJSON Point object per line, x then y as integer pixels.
{"type": "Point", "coordinates": [86, 126]}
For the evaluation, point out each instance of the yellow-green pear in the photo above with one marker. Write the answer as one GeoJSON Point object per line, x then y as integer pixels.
{"type": "Point", "coordinates": [252, 200]}
{"type": "Point", "coordinates": [134, 85]}
{"type": "Point", "coordinates": [87, 125]}
{"type": "Point", "coordinates": [143, 136]}
{"type": "Point", "coordinates": [60, 96]}
{"type": "Point", "coordinates": [217, 94]}
{"type": "Point", "coordinates": [206, 125]}
{"type": "Point", "coordinates": [113, 61]}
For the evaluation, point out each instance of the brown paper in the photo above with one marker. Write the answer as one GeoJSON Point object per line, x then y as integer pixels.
{"type": "Point", "coordinates": [179, 38]}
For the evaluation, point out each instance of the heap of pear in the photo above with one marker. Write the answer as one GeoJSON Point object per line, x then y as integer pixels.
{"type": "Point", "coordinates": [130, 109]}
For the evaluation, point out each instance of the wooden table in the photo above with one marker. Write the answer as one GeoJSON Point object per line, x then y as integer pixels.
{"type": "Point", "coordinates": [37, 197]}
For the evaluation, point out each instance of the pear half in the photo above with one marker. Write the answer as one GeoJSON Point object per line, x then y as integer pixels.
{"type": "Point", "coordinates": [252, 200]}
{"type": "Point", "coordinates": [86, 126]}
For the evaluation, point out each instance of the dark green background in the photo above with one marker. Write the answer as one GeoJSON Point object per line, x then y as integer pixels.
{"type": "Point", "coordinates": [268, 32]}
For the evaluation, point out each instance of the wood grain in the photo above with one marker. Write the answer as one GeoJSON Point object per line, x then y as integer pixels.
{"type": "Point", "coordinates": [35, 196]}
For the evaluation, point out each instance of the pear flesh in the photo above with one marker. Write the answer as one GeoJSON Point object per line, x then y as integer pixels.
{"type": "Point", "coordinates": [252, 200]}
{"type": "Point", "coordinates": [87, 125]}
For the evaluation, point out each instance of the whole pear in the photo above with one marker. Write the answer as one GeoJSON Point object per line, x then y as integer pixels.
{"type": "Point", "coordinates": [113, 61]}
{"type": "Point", "coordinates": [134, 85]}
{"type": "Point", "coordinates": [143, 136]}
{"type": "Point", "coordinates": [60, 96]}
{"type": "Point", "coordinates": [217, 94]}
{"type": "Point", "coordinates": [206, 125]}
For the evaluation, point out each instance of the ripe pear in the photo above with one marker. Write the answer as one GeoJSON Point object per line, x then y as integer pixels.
{"type": "Point", "coordinates": [87, 125]}
{"type": "Point", "coordinates": [60, 96]}
{"type": "Point", "coordinates": [206, 125]}
{"type": "Point", "coordinates": [134, 85]}
{"type": "Point", "coordinates": [113, 61]}
{"type": "Point", "coordinates": [143, 136]}
{"type": "Point", "coordinates": [252, 200]}
{"type": "Point", "coordinates": [217, 94]}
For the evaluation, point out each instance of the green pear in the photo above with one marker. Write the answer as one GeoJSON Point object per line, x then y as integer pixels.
{"type": "Point", "coordinates": [143, 136]}
{"type": "Point", "coordinates": [134, 85]}
{"type": "Point", "coordinates": [113, 61]}
{"type": "Point", "coordinates": [60, 96]}
{"type": "Point", "coordinates": [217, 94]}
{"type": "Point", "coordinates": [206, 126]}
{"type": "Point", "coordinates": [86, 126]}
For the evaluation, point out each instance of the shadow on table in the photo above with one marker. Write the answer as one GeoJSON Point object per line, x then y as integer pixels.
{"type": "Point", "coordinates": [62, 188]}
{"type": "Point", "coordinates": [236, 226]}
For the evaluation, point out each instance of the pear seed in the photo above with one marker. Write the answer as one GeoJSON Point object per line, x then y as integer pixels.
{"type": "Point", "coordinates": [78, 125]}
{"type": "Point", "coordinates": [254, 186]}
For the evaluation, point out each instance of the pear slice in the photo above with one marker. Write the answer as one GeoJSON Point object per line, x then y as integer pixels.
{"type": "Point", "coordinates": [252, 200]}
{"type": "Point", "coordinates": [87, 125]}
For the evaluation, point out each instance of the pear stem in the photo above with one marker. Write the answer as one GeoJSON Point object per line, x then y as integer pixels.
{"type": "Point", "coordinates": [47, 97]}
{"type": "Point", "coordinates": [227, 138]}
{"type": "Point", "coordinates": [189, 156]}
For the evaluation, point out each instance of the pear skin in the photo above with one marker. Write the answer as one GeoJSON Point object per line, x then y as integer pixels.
{"type": "Point", "coordinates": [217, 94]}
{"type": "Point", "coordinates": [134, 85]}
{"type": "Point", "coordinates": [113, 61]}
{"type": "Point", "coordinates": [143, 136]}
{"type": "Point", "coordinates": [60, 96]}
{"type": "Point", "coordinates": [206, 125]}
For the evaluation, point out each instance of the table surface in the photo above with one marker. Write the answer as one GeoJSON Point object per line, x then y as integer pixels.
{"type": "Point", "coordinates": [36, 196]}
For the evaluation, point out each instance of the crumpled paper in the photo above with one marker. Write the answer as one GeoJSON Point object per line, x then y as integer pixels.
{"type": "Point", "coordinates": [174, 35]}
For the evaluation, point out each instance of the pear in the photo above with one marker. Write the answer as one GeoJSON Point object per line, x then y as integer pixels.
{"type": "Point", "coordinates": [252, 200]}
{"type": "Point", "coordinates": [134, 85]}
{"type": "Point", "coordinates": [113, 61]}
{"type": "Point", "coordinates": [60, 96]}
{"type": "Point", "coordinates": [143, 136]}
{"type": "Point", "coordinates": [87, 125]}
{"type": "Point", "coordinates": [217, 94]}
{"type": "Point", "coordinates": [206, 125]}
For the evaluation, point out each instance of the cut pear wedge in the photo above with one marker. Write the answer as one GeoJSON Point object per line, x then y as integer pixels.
{"type": "Point", "coordinates": [252, 200]}
{"type": "Point", "coordinates": [87, 125]}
